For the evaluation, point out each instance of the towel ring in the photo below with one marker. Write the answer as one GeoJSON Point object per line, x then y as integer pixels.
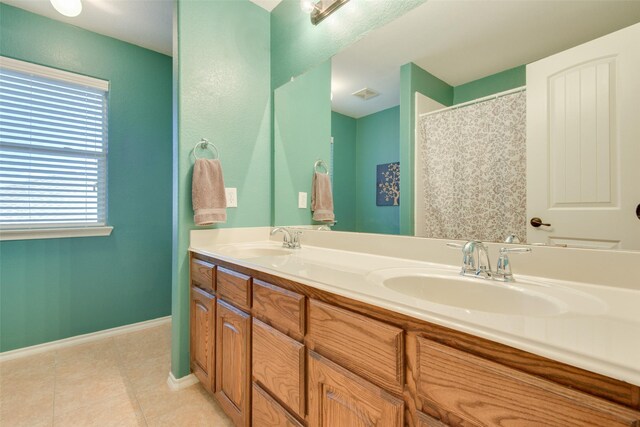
{"type": "Point", "coordinates": [204, 144]}
{"type": "Point", "coordinates": [320, 164]}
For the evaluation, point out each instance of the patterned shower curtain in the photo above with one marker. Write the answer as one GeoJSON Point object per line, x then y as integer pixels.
{"type": "Point", "coordinates": [474, 170]}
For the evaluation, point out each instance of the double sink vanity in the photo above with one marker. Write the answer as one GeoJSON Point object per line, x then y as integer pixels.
{"type": "Point", "coordinates": [354, 329]}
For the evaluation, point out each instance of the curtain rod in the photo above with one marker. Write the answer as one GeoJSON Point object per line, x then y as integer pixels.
{"type": "Point", "coordinates": [476, 101]}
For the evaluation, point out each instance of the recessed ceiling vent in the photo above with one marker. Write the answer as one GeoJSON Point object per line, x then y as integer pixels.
{"type": "Point", "coordinates": [366, 94]}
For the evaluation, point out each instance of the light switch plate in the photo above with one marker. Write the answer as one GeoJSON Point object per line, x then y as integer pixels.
{"type": "Point", "coordinates": [232, 197]}
{"type": "Point", "coordinates": [302, 200]}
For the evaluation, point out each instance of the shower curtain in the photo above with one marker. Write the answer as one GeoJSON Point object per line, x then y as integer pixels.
{"type": "Point", "coordinates": [474, 170]}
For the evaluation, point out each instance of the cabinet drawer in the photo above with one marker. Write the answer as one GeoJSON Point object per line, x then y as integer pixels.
{"type": "Point", "coordinates": [203, 275]}
{"type": "Point", "coordinates": [477, 391]}
{"type": "Point", "coordinates": [278, 366]}
{"type": "Point", "coordinates": [267, 413]}
{"type": "Point", "coordinates": [372, 349]}
{"type": "Point", "coordinates": [337, 397]}
{"type": "Point", "coordinates": [234, 287]}
{"type": "Point", "coordinates": [280, 308]}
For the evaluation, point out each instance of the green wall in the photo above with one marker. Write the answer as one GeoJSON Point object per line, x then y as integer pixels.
{"type": "Point", "coordinates": [359, 146]}
{"type": "Point", "coordinates": [377, 142]}
{"type": "Point", "coordinates": [57, 288]}
{"type": "Point", "coordinates": [298, 46]}
{"type": "Point", "coordinates": [302, 135]}
{"type": "Point", "coordinates": [414, 79]}
{"type": "Point", "coordinates": [495, 83]}
{"type": "Point", "coordinates": [343, 131]}
{"type": "Point", "coordinates": [223, 83]}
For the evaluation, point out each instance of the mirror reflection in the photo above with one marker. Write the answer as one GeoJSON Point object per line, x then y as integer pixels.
{"type": "Point", "coordinates": [506, 121]}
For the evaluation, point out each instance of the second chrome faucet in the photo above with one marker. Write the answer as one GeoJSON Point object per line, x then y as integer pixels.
{"type": "Point", "coordinates": [476, 263]}
{"type": "Point", "coordinates": [291, 238]}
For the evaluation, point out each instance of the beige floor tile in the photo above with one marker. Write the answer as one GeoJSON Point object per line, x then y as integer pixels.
{"type": "Point", "coordinates": [34, 409]}
{"type": "Point", "coordinates": [87, 388]}
{"type": "Point", "coordinates": [191, 416]}
{"type": "Point", "coordinates": [148, 374]}
{"type": "Point", "coordinates": [98, 354]}
{"type": "Point", "coordinates": [137, 346]}
{"type": "Point", "coordinates": [161, 401]}
{"type": "Point", "coordinates": [120, 381]}
{"type": "Point", "coordinates": [38, 365]}
{"type": "Point", "coordinates": [118, 411]}
{"type": "Point", "coordinates": [25, 391]}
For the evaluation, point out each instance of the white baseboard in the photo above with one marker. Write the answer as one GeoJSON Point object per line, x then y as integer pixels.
{"type": "Point", "coordinates": [82, 339]}
{"type": "Point", "coordinates": [184, 382]}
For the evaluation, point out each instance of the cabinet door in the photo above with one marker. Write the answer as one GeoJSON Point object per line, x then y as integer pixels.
{"type": "Point", "coordinates": [203, 335]}
{"type": "Point", "coordinates": [278, 365]}
{"type": "Point", "coordinates": [233, 335]}
{"type": "Point", "coordinates": [266, 412]}
{"type": "Point", "coordinates": [338, 397]}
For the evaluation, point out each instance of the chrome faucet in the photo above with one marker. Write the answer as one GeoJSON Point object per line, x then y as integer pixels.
{"type": "Point", "coordinates": [475, 261]}
{"type": "Point", "coordinates": [291, 239]}
{"type": "Point", "coordinates": [503, 269]}
{"type": "Point", "coordinates": [512, 238]}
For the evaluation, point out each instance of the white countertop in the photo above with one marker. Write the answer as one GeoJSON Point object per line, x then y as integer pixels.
{"type": "Point", "coordinates": [597, 329]}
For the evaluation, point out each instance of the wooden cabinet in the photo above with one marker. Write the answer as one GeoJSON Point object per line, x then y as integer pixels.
{"type": "Point", "coordinates": [203, 275]}
{"type": "Point", "coordinates": [338, 397]}
{"type": "Point", "coordinates": [232, 380]}
{"type": "Point", "coordinates": [203, 335]}
{"type": "Point", "coordinates": [266, 412]}
{"type": "Point", "coordinates": [372, 349]}
{"type": "Point", "coordinates": [278, 366]}
{"type": "Point", "coordinates": [293, 356]}
{"type": "Point", "coordinates": [462, 389]}
{"type": "Point", "coordinates": [234, 287]}
{"type": "Point", "coordinates": [280, 308]}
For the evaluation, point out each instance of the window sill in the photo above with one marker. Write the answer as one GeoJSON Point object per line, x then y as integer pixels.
{"type": "Point", "coordinates": [54, 233]}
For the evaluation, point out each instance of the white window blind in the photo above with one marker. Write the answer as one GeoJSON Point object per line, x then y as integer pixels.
{"type": "Point", "coordinates": [53, 148]}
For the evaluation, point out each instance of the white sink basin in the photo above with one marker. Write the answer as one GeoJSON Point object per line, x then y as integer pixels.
{"type": "Point", "coordinates": [446, 287]}
{"type": "Point", "coordinates": [475, 294]}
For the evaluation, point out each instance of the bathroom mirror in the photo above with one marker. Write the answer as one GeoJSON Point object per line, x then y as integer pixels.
{"type": "Point", "coordinates": [387, 91]}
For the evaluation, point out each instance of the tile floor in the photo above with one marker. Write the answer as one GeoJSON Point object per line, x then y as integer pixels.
{"type": "Point", "coordinates": [119, 381]}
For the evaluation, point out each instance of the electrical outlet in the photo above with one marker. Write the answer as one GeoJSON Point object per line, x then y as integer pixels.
{"type": "Point", "coordinates": [232, 197]}
{"type": "Point", "coordinates": [302, 200]}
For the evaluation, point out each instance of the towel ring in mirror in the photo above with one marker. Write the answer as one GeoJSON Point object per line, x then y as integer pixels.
{"type": "Point", "coordinates": [320, 164]}
{"type": "Point", "coordinates": [204, 144]}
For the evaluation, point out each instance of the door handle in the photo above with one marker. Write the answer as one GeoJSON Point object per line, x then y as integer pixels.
{"type": "Point", "coordinates": [537, 222]}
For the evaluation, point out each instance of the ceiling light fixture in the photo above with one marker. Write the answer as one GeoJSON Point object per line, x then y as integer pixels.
{"type": "Point", "coordinates": [319, 9]}
{"type": "Point", "coordinates": [69, 8]}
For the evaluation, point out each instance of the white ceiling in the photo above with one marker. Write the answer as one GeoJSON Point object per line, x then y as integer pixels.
{"type": "Point", "coordinates": [460, 41]}
{"type": "Point", "coordinates": [268, 5]}
{"type": "Point", "coordinates": [146, 23]}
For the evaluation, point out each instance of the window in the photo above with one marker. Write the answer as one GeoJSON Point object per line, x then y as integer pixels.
{"type": "Point", "coordinates": [53, 149]}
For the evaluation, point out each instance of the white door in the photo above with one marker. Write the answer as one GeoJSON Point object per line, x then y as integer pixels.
{"type": "Point", "coordinates": [583, 144]}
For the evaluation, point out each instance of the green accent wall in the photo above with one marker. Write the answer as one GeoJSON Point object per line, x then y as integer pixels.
{"type": "Point", "coordinates": [52, 289]}
{"type": "Point", "coordinates": [302, 132]}
{"type": "Point", "coordinates": [495, 83]}
{"type": "Point", "coordinates": [343, 131]}
{"type": "Point", "coordinates": [414, 79]}
{"type": "Point", "coordinates": [222, 50]}
{"type": "Point", "coordinates": [298, 46]}
{"type": "Point", "coordinates": [377, 142]}
{"type": "Point", "coordinates": [359, 146]}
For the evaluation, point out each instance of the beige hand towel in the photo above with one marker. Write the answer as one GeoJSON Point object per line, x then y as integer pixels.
{"type": "Point", "coordinates": [207, 191]}
{"type": "Point", "coordinates": [322, 198]}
